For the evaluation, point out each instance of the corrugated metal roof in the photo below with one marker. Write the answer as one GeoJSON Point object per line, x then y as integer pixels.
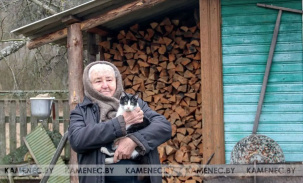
{"type": "Point", "coordinates": [98, 7]}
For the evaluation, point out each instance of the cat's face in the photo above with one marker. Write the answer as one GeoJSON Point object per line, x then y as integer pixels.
{"type": "Point", "coordinates": [128, 103]}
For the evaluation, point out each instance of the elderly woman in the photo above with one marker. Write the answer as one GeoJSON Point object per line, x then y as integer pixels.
{"type": "Point", "coordinates": [93, 124]}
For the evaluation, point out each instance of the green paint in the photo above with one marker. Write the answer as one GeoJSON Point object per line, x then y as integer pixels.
{"type": "Point", "coordinates": [288, 147]}
{"type": "Point", "coordinates": [271, 107]}
{"type": "Point", "coordinates": [260, 38]}
{"type": "Point", "coordinates": [248, 117]}
{"type": "Point", "coordinates": [255, 88]}
{"type": "Point", "coordinates": [257, 29]}
{"type": "Point", "coordinates": [288, 156]}
{"type": "Point", "coordinates": [250, 48]}
{"type": "Point", "coordinates": [269, 127]}
{"type": "Point", "coordinates": [258, 77]}
{"type": "Point", "coordinates": [278, 137]}
{"type": "Point", "coordinates": [246, 37]}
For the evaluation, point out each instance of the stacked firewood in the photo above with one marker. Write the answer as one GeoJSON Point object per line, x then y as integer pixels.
{"type": "Point", "coordinates": [162, 62]}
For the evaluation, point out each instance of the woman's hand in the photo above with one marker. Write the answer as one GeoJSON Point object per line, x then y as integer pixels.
{"type": "Point", "coordinates": [125, 148]}
{"type": "Point", "coordinates": [133, 117]}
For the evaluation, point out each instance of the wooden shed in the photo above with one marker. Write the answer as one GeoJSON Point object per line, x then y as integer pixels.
{"type": "Point", "coordinates": [211, 105]}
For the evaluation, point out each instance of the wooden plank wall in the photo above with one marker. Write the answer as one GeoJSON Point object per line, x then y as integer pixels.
{"type": "Point", "coordinates": [16, 122]}
{"type": "Point", "coordinates": [246, 37]}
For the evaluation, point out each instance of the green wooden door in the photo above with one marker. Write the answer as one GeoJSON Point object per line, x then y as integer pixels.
{"type": "Point", "coordinates": [246, 37]}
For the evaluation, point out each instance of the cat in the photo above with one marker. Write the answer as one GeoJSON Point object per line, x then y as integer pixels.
{"type": "Point", "coordinates": [127, 103]}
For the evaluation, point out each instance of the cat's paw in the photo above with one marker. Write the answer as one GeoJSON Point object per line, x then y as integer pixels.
{"type": "Point", "coordinates": [106, 151]}
{"type": "Point", "coordinates": [110, 160]}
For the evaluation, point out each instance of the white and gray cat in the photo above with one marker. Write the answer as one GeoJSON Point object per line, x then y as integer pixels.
{"type": "Point", "coordinates": [127, 103]}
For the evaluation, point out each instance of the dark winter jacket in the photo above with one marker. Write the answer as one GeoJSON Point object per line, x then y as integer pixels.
{"type": "Point", "coordinates": [86, 136]}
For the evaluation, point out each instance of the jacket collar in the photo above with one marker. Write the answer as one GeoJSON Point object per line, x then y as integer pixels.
{"type": "Point", "coordinates": [86, 101]}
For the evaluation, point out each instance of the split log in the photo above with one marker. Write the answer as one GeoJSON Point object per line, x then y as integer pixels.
{"type": "Point", "coordinates": [170, 150]}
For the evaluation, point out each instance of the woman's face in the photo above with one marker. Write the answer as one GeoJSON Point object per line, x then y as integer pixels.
{"type": "Point", "coordinates": [104, 81]}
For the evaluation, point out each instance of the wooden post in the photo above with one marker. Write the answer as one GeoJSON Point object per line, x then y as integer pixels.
{"type": "Point", "coordinates": [212, 84]}
{"type": "Point", "coordinates": [75, 70]}
{"type": "Point", "coordinates": [23, 122]}
{"type": "Point", "coordinates": [2, 130]}
{"type": "Point", "coordinates": [12, 127]}
{"type": "Point", "coordinates": [66, 113]}
{"type": "Point", "coordinates": [55, 116]}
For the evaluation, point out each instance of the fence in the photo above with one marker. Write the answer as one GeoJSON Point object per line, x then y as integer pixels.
{"type": "Point", "coordinates": [16, 120]}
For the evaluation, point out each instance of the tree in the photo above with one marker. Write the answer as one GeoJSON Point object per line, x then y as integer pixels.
{"type": "Point", "coordinates": [23, 65]}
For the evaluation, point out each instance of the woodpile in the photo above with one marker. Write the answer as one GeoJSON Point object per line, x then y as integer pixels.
{"type": "Point", "coordinates": [162, 62]}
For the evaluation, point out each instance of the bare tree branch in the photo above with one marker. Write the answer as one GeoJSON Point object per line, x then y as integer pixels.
{"type": "Point", "coordinates": [17, 44]}
{"type": "Point", "coordinates": [50, 10]}
{"type": "Point", "coordinates": [14, 47]}
{"type": "Point", "coordinates": [54, 7]}
{"type": "Point", "coordinates": [3, 5]}
{"type": "Point", "coordinates": [14, 77]}
{"type": "Point", "coordinates": [1, 25]}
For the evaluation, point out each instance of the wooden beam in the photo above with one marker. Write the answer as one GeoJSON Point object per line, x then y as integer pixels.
{"type": "Point", "coordinates": [94, 22]}
{"type": "Point", "coordinates": [119, 12]}
{"type": "Point", "coordinates": [212, 84]}
{"type": "Point", "coordinates": [75, 70]}
{"type": "Point", "coordinates": [55, 36]}
{"type": "Point", "coordinates": [98, 31]}
{"type": "Point", "coordinates": [70, 20]}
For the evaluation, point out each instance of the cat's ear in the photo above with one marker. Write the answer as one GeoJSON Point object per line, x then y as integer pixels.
{"type": "Point", "coordinates": [136, 96]}
{"type": "Point", "coordinates": [123, 94]}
